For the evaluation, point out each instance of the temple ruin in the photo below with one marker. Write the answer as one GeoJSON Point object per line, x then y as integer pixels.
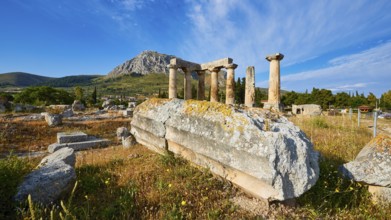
{"type": "Point", "coordinates": [214, 67]}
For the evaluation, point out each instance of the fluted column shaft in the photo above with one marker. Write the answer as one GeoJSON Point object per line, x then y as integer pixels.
{"type": "Point", "coordinates": [230, 85]}
{"type": "Point", "coordinates": [214, 85]}
{"type": "Point", "coordinates": [187, 84]}
{"type": "Point", "coordinates": [274, 80]}
{"type": "Point", "coordinates": [172, 88]}
{"type": "Point", "coordinates": [249, 97]}
{"type": "Point", "coordinates": [201, 85]}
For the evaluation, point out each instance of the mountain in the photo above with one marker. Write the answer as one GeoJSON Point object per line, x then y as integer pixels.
{"type": "Point", "coordinates": [21, 79]}
{"type": "Point", "coordinates": [70, 81]}
{"type": "Point", "coordinates": [145, 63]}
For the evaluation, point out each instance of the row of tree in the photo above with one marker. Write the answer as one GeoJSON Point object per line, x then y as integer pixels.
{"type": "Point", "coordinates": [45, 95]}
{"type": "Point", "coordinates": [326, 99]}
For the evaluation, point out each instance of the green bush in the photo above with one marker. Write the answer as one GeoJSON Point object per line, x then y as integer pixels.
{"type": "Point", "coordinates": [12, 170]}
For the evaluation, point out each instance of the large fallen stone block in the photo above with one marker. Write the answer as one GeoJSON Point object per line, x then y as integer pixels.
{"type": "Point", "coordinates": [54, 177]}
{"type": "Point", "coordinates": [372, 166]}
{"type": "Point", "coordinates": [70, 137]}
{"type": "Point", "coordinates": [65, 154]}
{"type": "Point", "coordinates": [83, 145]}
{"type": "Point", "coordinates": [261, 152]}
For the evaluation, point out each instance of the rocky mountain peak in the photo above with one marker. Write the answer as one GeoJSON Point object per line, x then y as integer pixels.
{"type": "Point", "coordinates": [144, 63]}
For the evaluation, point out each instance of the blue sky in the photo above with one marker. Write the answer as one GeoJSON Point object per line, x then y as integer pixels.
{"type": "Point", "coordinates": [334, 44]}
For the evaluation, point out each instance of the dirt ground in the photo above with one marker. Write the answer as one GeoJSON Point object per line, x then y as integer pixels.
{"type": "Point", "coordinates": [21, 136]}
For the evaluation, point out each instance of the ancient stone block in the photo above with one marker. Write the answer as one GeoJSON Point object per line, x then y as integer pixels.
{"type": "Point", "coordinates": [263, 153]}
{"type": "Point", "coordinates": [70, 137]}
{"type": "Point", "coordinates": [373, 164]}
{"type": "Point", "coordinates": [54, 177]}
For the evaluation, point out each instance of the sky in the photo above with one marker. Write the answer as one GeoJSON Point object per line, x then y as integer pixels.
{"type": "Point", "coordinates": [341, 45]}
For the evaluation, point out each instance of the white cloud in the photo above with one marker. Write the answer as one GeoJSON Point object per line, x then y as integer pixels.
{"type": "Point", "coordinates": [369, 70]}
{"type": "Point", "coordinates": [249, 30]}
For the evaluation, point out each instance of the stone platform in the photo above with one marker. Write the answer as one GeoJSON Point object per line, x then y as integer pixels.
{"type": "Point", "coordinates": [77, 141]}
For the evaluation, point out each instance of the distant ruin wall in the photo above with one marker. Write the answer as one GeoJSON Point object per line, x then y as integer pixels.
{"type": "Point", "coordinates": [264, 154]}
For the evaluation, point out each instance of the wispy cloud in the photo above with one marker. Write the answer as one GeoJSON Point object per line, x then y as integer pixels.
{"type": "Point", "coordinates": [249, 30]}
{"type": "Point", "coordinates": [371, 67]}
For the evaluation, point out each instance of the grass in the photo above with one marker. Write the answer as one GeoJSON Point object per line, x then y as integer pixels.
{"type": "Point", "coordinates": [135, 183]}
{"type": "Point", "coordinates": [339, 140]}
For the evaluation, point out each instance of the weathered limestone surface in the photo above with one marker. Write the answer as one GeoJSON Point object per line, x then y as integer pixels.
{"type": "Point", "coordinates": [214, 85]}
{"type": "Point", "coordinates": [373, 167]}
{"type": "Point", "coordinates": [217, 64]}
{"type": "Point", "coordinates": [54, 177]}
{"type": "Point", "coordinates": [128, 141]}
{"type": "Point", "coordinates": [185, 64]}
{"type": "Point", "coordinates": [69, 137]}
{"type": "Point", "coordinates": [373, 164]}
{"type": "Point", "coordinates": [263, 153]}
{"type": "Point", "coordinates": [122, 132]}
{"type": "Point", "coordinates": [53, 119]}
{"type": "Point", "coordinates": [78, 106]}
{"type": "Point", "coordinates": [249, 97]}
{"type": "Point", "coordinates": [66, 154]}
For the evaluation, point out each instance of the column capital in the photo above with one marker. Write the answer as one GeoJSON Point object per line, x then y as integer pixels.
{"type": "Point", "coordinates": [231, 66]}
{"type": "Point", "coordinates": [277, 56]}
{"type": "Point", "coordinates": [172, 66]}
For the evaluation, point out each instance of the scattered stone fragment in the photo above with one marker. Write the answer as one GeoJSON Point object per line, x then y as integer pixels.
{"type": "Point", "coordinates": [372, 166]}
{"type": "Point", "coordinates": [122, 132]}
{"type": "Point", "coordinates": [128, 141]}
{"type": "Point", "coordinates": [53, 119]}
{"type": "Point", "coordinates": [78, 106]}
{"type": "Point", "coordinates": [54, 177]}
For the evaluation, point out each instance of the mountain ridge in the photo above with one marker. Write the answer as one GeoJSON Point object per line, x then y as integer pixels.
{"type": "Point", "coordinates": [144, 63]}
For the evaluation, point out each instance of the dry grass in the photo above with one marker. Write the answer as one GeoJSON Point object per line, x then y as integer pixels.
{"type": "Point", "coordinates": [139, 184]}
{"type": "Point", "coordinates": [30, 136]}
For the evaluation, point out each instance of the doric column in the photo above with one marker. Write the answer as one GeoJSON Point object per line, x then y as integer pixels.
{"type": "Point", "coordinates": [187, 83]}
{"type": "Point", "coordinates": [274, 81]}
{"type": "Point", "coordinates": [201, 85]}
{"type": "Point", "coordinates": [214, 85]}
{"type": "Point", "coordinates": [172, 89]}
{"type": "Point", "coordinates": [249, 97]}
{"type": "Point", "coordinates": [230, 85]}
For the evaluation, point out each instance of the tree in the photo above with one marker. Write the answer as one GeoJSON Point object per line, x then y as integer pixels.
{"type": "Point", "coordinates": [371, 99]}
{"type": "Point", "coordinates": [289, 98]}
{"type": "Point", "coordinates": [43, 95]}
{"type": "Point", "coordinates": [342, 100]}
{"type": "Point", "coordinates": [385, 100]}
{"type": "Point", "coordinates": [79, 93]}
{"type": "Point", "coordinates": [93, 96]}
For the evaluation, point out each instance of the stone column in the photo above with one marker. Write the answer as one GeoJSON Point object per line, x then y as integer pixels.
{"type": "Point", "coordinates": [201, 85]}
{"type": "Point", "coordinates": [187, 83]}
{"type": "Point", "coordinates": [274, 81]}
{"type": "Point", "coordinates": [214, 85]}
{"type": "Point", "coordinates": [172, 89]}
{"type": "Point", "coordinates": [249, 97]}
{"type": "Point", "coordinates": [229, 89]}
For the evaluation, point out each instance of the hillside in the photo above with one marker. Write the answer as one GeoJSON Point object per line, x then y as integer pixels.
{"type": "Point", "coordinates": [145, 63]}
{"type": "Point", "coordinates": [21, 79]}
{"type": "Point", "coordinates": [70, 81]}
